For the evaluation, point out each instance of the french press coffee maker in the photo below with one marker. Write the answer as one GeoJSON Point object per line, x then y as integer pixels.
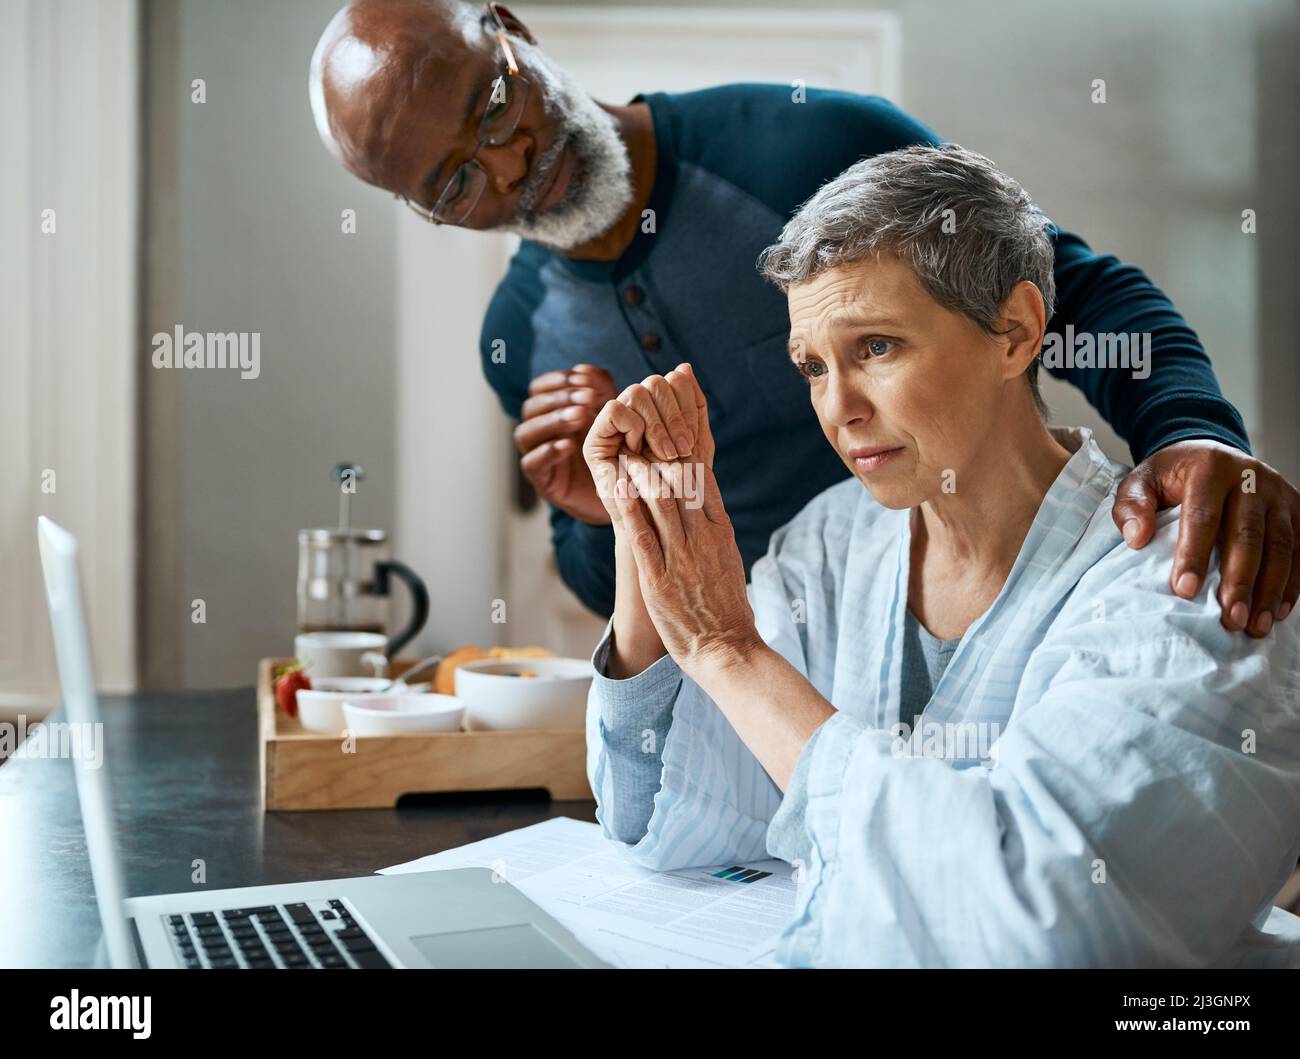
{"type": "Point", "coordinates": [345, 575]}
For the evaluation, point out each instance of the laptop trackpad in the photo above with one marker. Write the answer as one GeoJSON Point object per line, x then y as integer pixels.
{"type": "Point", "coordinates": [518, 945]}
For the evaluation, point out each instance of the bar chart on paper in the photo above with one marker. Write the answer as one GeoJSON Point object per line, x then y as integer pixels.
{"type": "Point", "coordinates": [630, 916]}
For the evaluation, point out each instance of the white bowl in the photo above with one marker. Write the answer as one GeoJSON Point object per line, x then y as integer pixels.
{"type": "Point", "coordinates": [321, 708]}
{"type": "Point", "coordinates": [497, 698]}
{"type": "Point", "coordinates": [403, 714]}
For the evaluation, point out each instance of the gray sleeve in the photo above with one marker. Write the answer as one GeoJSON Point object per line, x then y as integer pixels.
{"type": "Point", "coordinates": [787, 837]}
{"type": "Point", "coordinates": [634, 717]}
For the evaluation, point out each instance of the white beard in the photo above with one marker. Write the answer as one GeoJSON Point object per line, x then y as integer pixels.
{"type": "Point", "coordinates": [600, 187]}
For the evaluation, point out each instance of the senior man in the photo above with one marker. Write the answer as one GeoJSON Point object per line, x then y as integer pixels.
{"type": "Point", "coordinates": [641, 225]}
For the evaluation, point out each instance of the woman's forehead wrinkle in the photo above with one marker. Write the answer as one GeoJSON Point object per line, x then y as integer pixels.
{"type": "Point", "coordinates": [826, 296]}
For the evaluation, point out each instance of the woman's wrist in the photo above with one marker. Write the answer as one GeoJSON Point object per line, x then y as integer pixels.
{"type": "Point", "coordinates": [631, 653]}
{"type": "Point", "coordinates": [636, 642]}
{"type": "Point", "coordinates": [716, 663]}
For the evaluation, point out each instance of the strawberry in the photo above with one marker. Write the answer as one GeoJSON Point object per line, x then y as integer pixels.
{"type": "Point", "coordinates": [291, 680]}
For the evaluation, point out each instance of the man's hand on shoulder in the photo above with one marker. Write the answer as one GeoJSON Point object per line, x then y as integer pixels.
{"type": "Point", "coordinates": [559, 410]}
{"type": "Point", "coordinates": [1229, 499]}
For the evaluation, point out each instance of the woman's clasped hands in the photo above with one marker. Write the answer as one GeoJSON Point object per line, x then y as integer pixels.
{"type": "Point", "coordinates": [650, 451]}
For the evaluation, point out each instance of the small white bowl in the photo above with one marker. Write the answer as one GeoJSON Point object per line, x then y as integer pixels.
{"type": "Point", "coordinates": [403, 714]}
{"type": "Point", "coordinates": [498, 698]}
{"type": "Point", "coordinates": [321, 708]}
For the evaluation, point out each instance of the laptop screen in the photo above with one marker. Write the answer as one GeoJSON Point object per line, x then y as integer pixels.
{"type": "Point", "coordinates": [72, 646]}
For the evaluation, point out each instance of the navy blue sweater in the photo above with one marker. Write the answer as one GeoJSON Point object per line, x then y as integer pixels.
{"type": "Point", "coordinates": [733, 164]}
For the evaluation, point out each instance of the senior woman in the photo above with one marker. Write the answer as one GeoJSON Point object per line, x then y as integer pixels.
{"type": "Point", "coordinates": [982, 728]}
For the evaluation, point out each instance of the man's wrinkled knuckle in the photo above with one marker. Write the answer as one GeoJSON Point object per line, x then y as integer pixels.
{"type": "Point", "coordinates": [1136, 487]}
{"type": "Point", "coordinates": [1249, 535]}
{"type": "Point", "coordinates": [1200, 517]}
{"type": "Point", "coordinates": [1224, 461]}
{"type": "Point", "coordinates": [1279, 547]}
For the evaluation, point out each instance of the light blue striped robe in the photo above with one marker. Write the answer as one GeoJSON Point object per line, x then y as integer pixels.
{"type": "Point", "coordinates": [1142, 803]}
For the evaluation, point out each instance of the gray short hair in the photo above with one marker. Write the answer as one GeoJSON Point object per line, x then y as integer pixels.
{"type": "Point", "coordinates": [968, 231]}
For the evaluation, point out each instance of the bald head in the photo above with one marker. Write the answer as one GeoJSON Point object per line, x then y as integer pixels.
{"type": "Point", "coordinates": [375, 58]}
{"type": "Point", "coordinates": [403, 90]}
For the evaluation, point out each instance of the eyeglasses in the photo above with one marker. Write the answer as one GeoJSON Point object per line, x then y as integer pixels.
{"type": "Point", "coordinates": [505, 107]}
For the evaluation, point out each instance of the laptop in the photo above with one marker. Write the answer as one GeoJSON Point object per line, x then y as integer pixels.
{"type": "Point", "coordinates": [457, 918]}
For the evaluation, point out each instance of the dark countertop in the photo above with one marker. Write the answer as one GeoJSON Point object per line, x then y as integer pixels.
{"type": "Point", "coordinates": [183, 770]}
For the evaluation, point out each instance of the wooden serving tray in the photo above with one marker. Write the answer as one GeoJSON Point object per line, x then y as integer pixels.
{"type": "Point", "coordinates": [308, 770]}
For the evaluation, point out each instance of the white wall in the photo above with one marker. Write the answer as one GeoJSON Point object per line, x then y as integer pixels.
{"type": "Point", "coordinates": [453, 452]}
{"type": "Point", "coordinates": [245, 234]}
{"type": "Point", "coordinates": [68, 108]}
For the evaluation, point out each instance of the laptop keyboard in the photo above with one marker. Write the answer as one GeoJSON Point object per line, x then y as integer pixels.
{"type": "Point", "coordinates": [308, 934]}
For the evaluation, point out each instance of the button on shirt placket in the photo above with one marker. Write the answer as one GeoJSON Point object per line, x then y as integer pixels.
{"type": "Point", "coordinates": [646, 328]}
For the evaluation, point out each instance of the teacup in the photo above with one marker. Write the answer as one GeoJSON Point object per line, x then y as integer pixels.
{"type": "Point", "coordinates": [341, 654]}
